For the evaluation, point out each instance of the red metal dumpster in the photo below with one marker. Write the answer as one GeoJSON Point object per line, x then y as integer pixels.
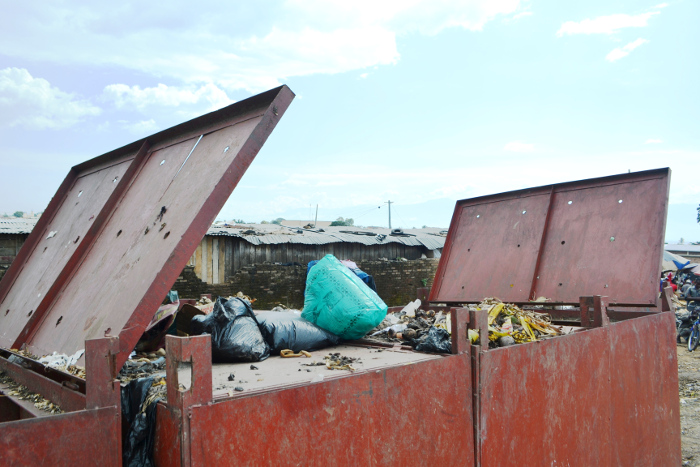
{"type": "Point", "coordinates": [122, 226]}
{"type": "Point", "coordinates": [607, 395]}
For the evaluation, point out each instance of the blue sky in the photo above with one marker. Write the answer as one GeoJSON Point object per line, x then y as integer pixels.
{"type": "Point", "coordinates": [419, 102]}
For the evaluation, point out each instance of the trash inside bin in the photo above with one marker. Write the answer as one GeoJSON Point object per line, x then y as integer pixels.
{"type": "Point", "coordinates": [285, 330]}
{"type": "Point", "coordinates": [235, 332]}
{"type": "Point", "coordinates": [339, 302]}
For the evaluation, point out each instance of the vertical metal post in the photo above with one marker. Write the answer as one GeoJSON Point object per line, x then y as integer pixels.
{"type": "Point", "coordinates": [459, 320]}
{"type": "Point", "coordinates": [594, 312]}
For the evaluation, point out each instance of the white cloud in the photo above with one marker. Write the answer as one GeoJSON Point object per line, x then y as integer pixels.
{"type": "Point", "coordinates": [33, 103]}
{"type": "Point", "coordinates": [234, 48]}
{"type": "Point", "coordinates": [660, 5]}
{"type": "Point", "coordinates": [364, 75]}
{"type": "Point", "coordinates": [653, 141]}
{"type": "Point", "coordinates": [519, 146]}
{"type": "Point", "coordinates": [142, 127]}
{"type": "Point", "coordinates": [622, 52]}
{"type": "Point", "coordinates": [606, 24]}
{"type": "Point", "coordinates": [166, 96]}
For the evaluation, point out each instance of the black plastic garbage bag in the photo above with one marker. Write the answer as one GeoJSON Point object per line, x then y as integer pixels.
{"type": "Point", "coordinates": [137, 447]}
{"type": "Point", "coordinates": [288, 331]}
{"type": "Point", "coordinates": [235, 333]}
{"type": "Point", "coordinates": [437, 340]}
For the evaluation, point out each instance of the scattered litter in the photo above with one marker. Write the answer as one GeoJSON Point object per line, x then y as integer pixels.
{"type": "Point", "coordinates": [238, 388]}
{"type": "Point", "coordinates": [61, 361]}
{"type": "Point", "coordinates": [253, 367]}
{"type": "Point", "coordinates": [232, 377]}
{"type": "Point", "coordinates": [335, 361]}
{"type": "Point", "coordinates": [287, 353]}
{"type": "Point", "coordinates": [140, 368]}
{"type": "Point", "coordinates": [23, 393]}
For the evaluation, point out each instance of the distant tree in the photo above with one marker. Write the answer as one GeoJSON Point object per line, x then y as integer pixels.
{"type": "Point", "coordinates": [278, 221]}
{"type": "Point", "coordinates": [264, 222]}
{"type": "Point", "coordinates": [343, 222]}
{"type": "Point", "coordinates": [238, 221]}
{"type": "Point", "coordinates": [682, 241]}
{"type": "Point", "coordinates": [18, 214]}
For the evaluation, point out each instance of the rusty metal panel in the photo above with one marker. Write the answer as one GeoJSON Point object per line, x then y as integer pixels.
{"type": "Point", "coordinates": [90, 437]}
{"type": "Point", "coordinates": [170, 187]}
{"type": "Point", "coordinates": [547, 402]}
{"type": "Point", "coordinates": [601, 236]}
{"type": "Point", "coordinates": [377, 418]}
{"type": "Point", "coordinates": [167, 447]}
{"type": "Point", "coordinates": [54, 241]}
{"type": "Point", "coordinates": [645, 412]}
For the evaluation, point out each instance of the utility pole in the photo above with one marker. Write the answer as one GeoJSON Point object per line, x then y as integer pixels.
{"type": "Point", "coordinates": [389, 203]}
{"type": "Point", "coordinates": [316, 219]}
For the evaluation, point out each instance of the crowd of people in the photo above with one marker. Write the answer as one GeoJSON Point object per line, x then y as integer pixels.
{"type": "Point", "coordinates": [685, 284]}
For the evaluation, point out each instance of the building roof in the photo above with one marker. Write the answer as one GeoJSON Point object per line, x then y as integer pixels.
{"type": "Point", "coordinates": [272, 234]}
{"type": "Point", "coordinates": [317, 225]}
{"type": "Point", "coordinates": [17, 225]}
{"type": "Point", "coordinates": [682, 248]}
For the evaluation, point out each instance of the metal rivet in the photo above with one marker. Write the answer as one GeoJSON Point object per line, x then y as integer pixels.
{"type": "Point", "coordinates": [478, 216]}
{"type": "Point", "coordinates": [115, 179]}
{"type": "Point", "coordinates": [570, 202]}
{"type": "Point", "coordinates": [162, 162]}
{"type": "Point", "coordinates": [119, 233]}
{"type": "Point", "coordinates": [619, 201]}
{"type": "Point", "coordinates": [563, 241]}
{"type": "Point", "coordinates": [80, 193]}
{"type": "Point", "coordinates": [226, 149]}
{"type": "Point", "coordinates": [76, 240]}
{"type": "Point", "coordinates": [30, 313]}
{"type": "Point", "coordinates": [612, 239]}
{"type": "Point", "coordinates": [524, 212]}
{"type": "Point", "coordinates": [59, 321]}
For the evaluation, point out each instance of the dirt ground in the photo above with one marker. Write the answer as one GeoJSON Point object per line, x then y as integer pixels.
{"type": "Point", "coordinates": [689, 392]}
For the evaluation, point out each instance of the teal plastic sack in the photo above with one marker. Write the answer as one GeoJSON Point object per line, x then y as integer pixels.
{"type": "Point", "coordinates": [339, 302]}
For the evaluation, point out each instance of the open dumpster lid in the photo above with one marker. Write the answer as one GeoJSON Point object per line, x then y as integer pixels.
{"type": "Point", "coordinates": [602, 236]}
{"type": "Point", "coordinates": [122, 226]}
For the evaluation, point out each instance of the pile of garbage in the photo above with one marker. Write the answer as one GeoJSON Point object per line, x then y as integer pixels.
{"type": "Point", "coordinates": [424, 330]}
{"type": "Point", "coordinates": [428, 331]}
{"type": "Point", "coordinates": [338, 306]}
{"type": "Point", "coordinates": [509, 324]}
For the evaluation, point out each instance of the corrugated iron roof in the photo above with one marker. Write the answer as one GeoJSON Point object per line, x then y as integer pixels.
{"type": "Point", "coordinates": [272, 234]}
{"type": "Point", "coordinates": [17, 225]}
{"type": "Point", "coordinates": [676, 247]}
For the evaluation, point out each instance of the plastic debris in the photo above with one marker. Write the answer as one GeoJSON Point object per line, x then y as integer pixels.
{"type": "Point", "coordinates": [286, 330]}
{"type": "Point", "coordinates": [339, 302]}
{"type": "Point", "coordinates": [235, 333]}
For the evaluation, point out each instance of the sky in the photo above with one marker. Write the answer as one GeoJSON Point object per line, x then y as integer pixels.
{"type": "Point", "coordinates": [419, 102]}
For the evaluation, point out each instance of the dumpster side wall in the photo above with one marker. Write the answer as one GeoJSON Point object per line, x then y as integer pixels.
{"type": "Point", "coordinates": [604, 396]}
{"type": "Point", "coordinates": [417, 414]}
{"type": "Point", "coordinates": [91, 437]}
{"type": "Point", "coordinates": [645, 409]}
{"type": "Point", "coordinates": [547, 402]}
